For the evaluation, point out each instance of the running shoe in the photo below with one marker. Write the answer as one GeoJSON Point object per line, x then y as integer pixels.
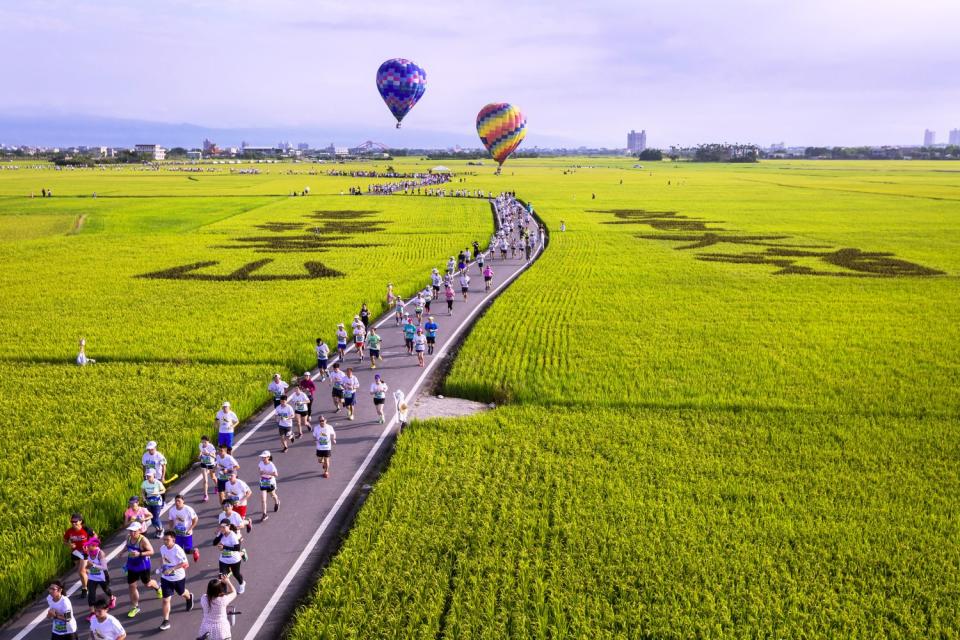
{"type": "Point", "coordinates": [205, 498]}
{"type": "Point", "coordinates": [113, 602]}
{"type": "Point", "coordinates": [189, 605]}
{"type": "Point", "coordinates": [351, 416]}
{"type": "Point", "coordinates": [242, 587]}
{"type": "Point", "coordinates": [159, 594]}
{"type": "Point", "coordinates": [249, 526]}
{"type": "Point", "coordinates": [196, 555]}
{"type": "Point", "coordinates": [243, 554]}
{"type": "Point", "coordinates": [83, 593]}
{"type": "Point", "coordinates": [133, 612]}
{"type": "Point", "coordinates": [164, 625]}
{"type": "Point", "coordinates": [263, 517]}
{"type": "Point", "coordinates": [326, 474]}
{"type": "Point", "coordinates": [276, 506]}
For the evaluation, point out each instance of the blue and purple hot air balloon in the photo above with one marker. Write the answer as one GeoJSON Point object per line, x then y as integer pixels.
{"type": "Point", "coordinates": [401, 84]}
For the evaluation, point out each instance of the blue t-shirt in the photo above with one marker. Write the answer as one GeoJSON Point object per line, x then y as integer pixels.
{"type": "Point", "coordinates": [431, 328]}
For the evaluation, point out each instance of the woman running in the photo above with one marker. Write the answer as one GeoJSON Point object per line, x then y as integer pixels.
{"type": "Point", "coordinates": [430, 329]}
{"type": "Point", "coordinates": [75, 537]}
{"type": "Point", "coordinates": [231, 554]}
{"type": "Point", "coordinates": [487, 277]}
{"type": "Point", "coordinates": [378, 389]}
{"type": "Point", "coordinates": [341, 341]}
{"type": "Point", "coordinates": [420, 345]}
{"type": "Point", "coordinates": [436, 280]}
{"type": "Point", "coordinates": [60, 611]}
{"type": "Point", "coordinates": [97, 575]}
{"type": "Point", "coordinates": [427, 298]}
{"type": "Point", "coordinates": [365, 315]}
{"type": "Point", "coordinates": [153, 491]}
{"type": "Point", "coordinates": [398, 311]}
{"type": "Point", "coordinates": [326, 438]}
{"type": "Point", "coordinates": [409, 330]}
{"type": "Point", "coordinates": [464, 284]}
{"type": "Point", "coordinates": [336, 384]}
{"type": "Point", "coordinates": [208, 454]}
{"type": "Point", "coordinates": [268, 484]}
{"type": "Point", "coordinates": [449, 295]}
{"type": "Point", "coordinates": [418, 304]}
{"type": "Point", "coordinates": [301, 410]}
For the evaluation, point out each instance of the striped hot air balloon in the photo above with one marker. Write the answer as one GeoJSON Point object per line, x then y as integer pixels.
{"type": "Point", "coordinates": [401, 83]}
{"type": "Point", "coordinates": [502, 128]}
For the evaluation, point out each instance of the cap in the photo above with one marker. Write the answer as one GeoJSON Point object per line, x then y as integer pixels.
{"type": "Point", "coordinates": [150, 473]}
{"type": "Point", "coordinates": [264, 454]}
{"type": "Point", "coordinates": [151, 445]}
{"type": "Point", "coordinates": [226, 403]}
{"type": "Point", "coordinates": [134, 526]}
{"type": "Point", "coordinates": [134, 499]}
{"type": "Point", "coordinates": [431, 317]}
{"type": "Point", "coordinates": [377, 376]}
{"type": "Point", "coordinates": [306, 373]}
{"type": "Point", "coordinates": [276, 375]}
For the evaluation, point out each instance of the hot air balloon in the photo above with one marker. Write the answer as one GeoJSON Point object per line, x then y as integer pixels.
{"type": "Point", "coordinates": [401, 83]}
{"type": "Point", "coordinates": [502, 128]}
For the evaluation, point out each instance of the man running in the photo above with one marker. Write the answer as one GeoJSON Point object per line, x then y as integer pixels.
{"type": "Point", "coordinates": [238, 492]}
{"type": "Point", "coordinates": [326, 438]}
{"type": "Point", "coordinates": [225, 464]}
{"type": "Point", "coordinates": [208, 456]}
{"type": "Point", "coordinates": [268, 483]}
{"type": "Point", "coordinates": [152, 491]}
{"type": "Point", "coordinates": [373, 342]}
{"type": "Point", "coordinates": [153, 459]}
{"type": "Point", "coordinates": [418, 304]}
{"type": "Point", "coordinates": [378, 389]}
{"type": "Point", "coordinates": [173, 576]}
{"type": "Point", "coordinates": [436, 281]}
{"type": "Point", "coordinates": [398, 311]}
{"type": "Point", "coordinates": [430, 329]}
{"type": "Point", "coordinates": [359, 336]}
{"type": "Point", "coordinates": [336, 383]}
{"type": "Point", "coordinates": [285, 415]}
{"type": "Point", "coordinates": [464, 284]}
{"type": "Point", "coordinates": [181, 520]}
{"type": "Point", "coordinates": [308, 387]}
{"type": "Point", "coordinates": [226, 424]}
{"type": "Point", "coordinates": [104, 626]}
{"type": "Point", "coordinates": [277, 388]}
{"type": "Point", "coordinates": [350, 387]}
{"type": "Point", "coordinates": [138, 550]}
{"type": "Point", "coordinates": [341, 341]}
{"type": "Point", "coordinates": [75, 537]}
{"type": "Point", "coordinates": [409, 330]}
{"type": "Point", "coordinates": [323, 357]}
{"type": "Point", "coordinates": [301, 409]}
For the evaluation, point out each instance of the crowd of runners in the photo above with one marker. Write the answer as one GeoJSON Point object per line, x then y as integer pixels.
{"type": "Point", "coordinates": [406, 186]}
{"type": "Point", "coordinates": [177, 531]}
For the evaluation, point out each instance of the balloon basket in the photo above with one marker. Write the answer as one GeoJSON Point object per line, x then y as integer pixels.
{"type": "Point", "coordinates": [398, 125]}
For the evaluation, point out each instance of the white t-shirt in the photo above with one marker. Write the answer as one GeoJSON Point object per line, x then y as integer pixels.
{"type": "Point", "coordinates": [323, 351]}
{"type": "Point", "coordinates": [225, 464]}
{"type": "Point", "coordinates": [62, 607]}
{"type": "Point", "coordinates": [379, 389]}
{"type": "Point", "coordinates": [153, 460]}
{"type": "Point", "coordinates": [109, 629]}
{"type": "Point", "coordinates": [324, 435]}
{"type": "Point", "coordinates": [277, 388]}
{"type": "Point", "coordinates": [336, 378]}
{"type": "Point", "coordinates": [265, 480]}
{"type": "Point", "coordinates": [182, 518]}
{"type": "Point", "coordinates": [299, 400]}
{"type": "Point", "coordinates": [227, 420]}
{"type": "Point", "coordinates": [350, 385]}
{"type": "Point", "coordinates": [285, 415]}
{"type": "Point", "coordinates": [234, 518]}
{"type": "Point", "coordinates": [208, 453]}
{"type": "Point", "coordinates": [230, 539]}
{"type": "Point", "coordinates": [237, 490]}
{"type": "Point", "coordinates": [97, 571]}
{"type": "Point", "coordinates": [419, 342]}
{"type": "Point", "coordinates": [171, 558]}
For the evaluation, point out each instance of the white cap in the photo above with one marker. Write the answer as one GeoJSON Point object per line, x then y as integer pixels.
{"type": "Point", "coordinates": [306, 373]}
{"type": "Point", "coordinates": [226, 403]}
{"type": "Point", "coordinates": [265, 454]}
{"type": "Point", "coordinates": [150, 472]}
{"type": "Point", "coordinates": [151, 445]}
{"type": "Point", "coordinates": [134, 526]}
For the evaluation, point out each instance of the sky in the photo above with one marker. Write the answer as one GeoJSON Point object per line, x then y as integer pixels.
{"type": "Point", "coordinates": [804, 72]}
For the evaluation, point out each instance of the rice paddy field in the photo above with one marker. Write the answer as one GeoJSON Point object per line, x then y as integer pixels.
{"type": "Point", "coordinates": [190, 289]}
{"type": "Point", "coordinates": [729, 408]}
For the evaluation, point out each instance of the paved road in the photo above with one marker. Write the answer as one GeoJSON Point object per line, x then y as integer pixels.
{"type": "Point", "coordinates": [286, 550]}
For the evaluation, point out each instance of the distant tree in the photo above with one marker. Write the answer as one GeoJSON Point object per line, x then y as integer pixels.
{"type": "Point", "coordinates": [650, 154]}
{"type": "Point", "coordinates": [177, 152]}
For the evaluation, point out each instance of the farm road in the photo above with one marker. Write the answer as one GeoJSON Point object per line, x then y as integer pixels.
{"type": "Point", "coordinates": [286, 551]}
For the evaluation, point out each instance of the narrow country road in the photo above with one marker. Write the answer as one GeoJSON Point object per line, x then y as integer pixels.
{"type": "Point", "coordinates": [286, 550]}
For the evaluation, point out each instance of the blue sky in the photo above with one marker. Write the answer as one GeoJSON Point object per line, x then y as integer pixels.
{"type": "Point", "coordinates": [802, 71]}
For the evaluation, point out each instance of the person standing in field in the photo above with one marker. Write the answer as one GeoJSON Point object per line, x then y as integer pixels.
{"type": "Point", "coordinates": [409, 330]}
{"type": "Point", "coordinates": [378, 389]}
{"type": "Point", "coordinates": [277, 388]}
{"type": "Point", "coordinates": [138, 550]}
{"type": "Point", "coordinates": [173, 576]}
{"type": "Point", "coordinates": [153, 459]}
{"type": "Point", "coordinates": [323, 357]}
{"type": "Point", "coordinates": [341, 341]}
{"type": "Point", "coordinates": [268, 484]}
{"type": "Point", "coordinates": [449, 295]}
{"type": "Point", "coordinates": [285, 414]}
{"type": "Point", "coordinates": [226, 424]}
{"type": "Point", "coordinates": [359, 336]}
{"type": "Point", "coordinates": [301, 411]}
{"type": "Point", "coordinates": [336, 383]}
{"type": "Point", "coordinates": [153, 490]}
{"type": "Point", "coordinates": [97, 574]}
{"type": "Point", "coordinates": [309, 388]}
{"type": "Point", "coordinates": [225, 464]}
{"type": "Point", "coordinates": [75, 537]}
{"type": "Point", "coordinates": [60, 611]}
{"type": "Point", "coordinates": [181, 520]}
{"type": "Point", "coordinates": [373, 342]}
{"type": "Point", "coordinates": [104, 626]}
{"type": "Point", "coordinates": [350, 387]}
{"type": "Point", "coordinates": [419, 345]}
{"type": "Point", "coordinates": [215, 624]}
{"type": "Point", "coordinates": [389, 293]}
{"type": "Point", "coordinates": [208, 455]}
{"type": "Point", "coordinates": [326, 437]}
{"type": "Point", "coordinates": [431, 328]}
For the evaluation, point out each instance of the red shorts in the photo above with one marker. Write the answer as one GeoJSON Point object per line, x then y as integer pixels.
{"type": "Point", "coordinates": [241, 510]}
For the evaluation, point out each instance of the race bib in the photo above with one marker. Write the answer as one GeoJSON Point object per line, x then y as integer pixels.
{"type": "Point", "coordinates": [323, 441]}
{"type": "Point", "coordinates": [266, 483]}
{"type": "Point", "coordinates": [95, 570]}
{"type": "Point", "coordinates": [204, 459]}
{"type": "Point", "coordinates": [60, 626]}
{"type": "Point", "coordinates": [180, 528]}
{"type": "Point", "coordinates": [226, 554]}
{"type": "Point", "coordinates": [154, 500]}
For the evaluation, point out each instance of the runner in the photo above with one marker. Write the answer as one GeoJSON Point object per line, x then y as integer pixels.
{"type": "Point", "coordinates": [341, 341]}
{"type": "Point", "coordinates": [225, 464]}
{"type": "Point", "coordinates": [487, 277]}
{"type": "Point", "coordinates": [326, 438]}
{"type": "Point", "coordinates": [75, 537]}
{"type": "Point", "coordinates": [365, 315]}
{"type": "Point", "coordinates": [137, 565]}
{"type": "Point", "coordinates": [308, 387]}
{"type": "Point", "coordinates": [323, 356]}
{"type": "Point", "coordinates": [153, 459]}
{"type": "Point", "coordinates": [419, 346]}
{"type": "Point", "coordinates": [418, 304]}
{"type": "Point", "coordinates": [480, 260]}
{"type": "Point", "coordinates": [153, 491]}
{"type": "Point", "coordinates": [104, 626]}
{"type": "Point", "coordinates": [60, 611]}
{"type": "Point", "coordinates": [238, 492]}
{"type": "Point", "coordinates": [359, 336]}
{"type": "Point", "coordinates": [436, 281]}
{"type": "Point", "coordinates": [97, 574]}
{"type": "Point", "coordinates": [208, 455]}
{"type": "Point", "coordinates": [350, 387]}
{"type": "Point", "coordinates": [409, 330]}
{"type": "Point", "coordinates": [135, 512]}
{"type": "Point", "coordinates": [427, 298]}
{"type": "Point", "coordinates": [373, 342]}
{"type": "Point", "coordinates": [268, 483]}
{"type": "Point", "coordinates": [231, 553]}
{"type": "Point", "coordinates": [378, 389]}
{"type": "Point", "coordinates": [182, 520]}
{"type": "Point", "coordinates": [449, 295]}
{"type": "Point", "coordinates": [173, 576]}
{"type": "Point", "coordinates": [228, 515]}
{"type": "Point", "coordinates": [336, 382]}
{"type": "Point", "coordinates": [277, 388]}
{"type": "Point", "coordinates": [431, 328]}
{"type": "Point", "coordinates": [285, 414]}
{"type": "Point", "coordinates": [464, 284]}
{"type": "Point", "coordinates": [220, 593]}
{"type": "Point", "coordinates": [226, 424]}
{"type": "Point", "coordinates": [398, 311]}
{"type": "Point", "coordinates": [451, 266]}
{"type": "Point", "coordinates": [301, 409]}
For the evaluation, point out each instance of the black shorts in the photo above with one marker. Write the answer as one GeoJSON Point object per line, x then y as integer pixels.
{"type": "Point", "coordinates": [377, 401]}
{"type": "Point", "coordinates": [408, 342]}
{"type": "Point", "coordinates": [64, 636]}
{"type": "Point", "coordinates": [304, 412]}
{"type": "Point", "coordinates": [431, 339]}
{"type": "Point", "coordinates": [208, 466]}
{"type": "Point", "coordinates": [436, 289]}
{"type": "Point", "coordinates": [322, 364]}
{"type": "Point", "coordinates": [284, 431]}
{"type": "Point", "coordinates": [171, 587]}
{"type": "Point", "coordinates": [323, 453]}
{"type": "Point", "coordinates": [374, 353]}
{"type": "Point", "coordinates": [276, 402]}
{"type": "Point", "coordinates": [221, 486]}
{"type": "Point", "coordinates": [143, 576]}
{"type": "Point", "coordinates": [464, 289]}
{"type": "Point", "coordinates": [338, 393]}
{"type": "Point", "coordinates": [349, 401]}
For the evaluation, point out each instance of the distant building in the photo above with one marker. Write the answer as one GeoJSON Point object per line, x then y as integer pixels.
{"type": "Point", "coordinates": [303, 146]}
{"type": "Point", "coordinates": [636, 142]}
{"type": "Point", "coordinates": [929, 138]}
{"type": "Point", "coordinates": [195, 154]}
{"type": "Point", "coordinates": [955, 136]}
{"type": "Point", "coordinates": [210, 147]}
{"type": "Point", "coordinates": [341, 151]}
{"type": "Point", "coordinates": [151, 151]}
